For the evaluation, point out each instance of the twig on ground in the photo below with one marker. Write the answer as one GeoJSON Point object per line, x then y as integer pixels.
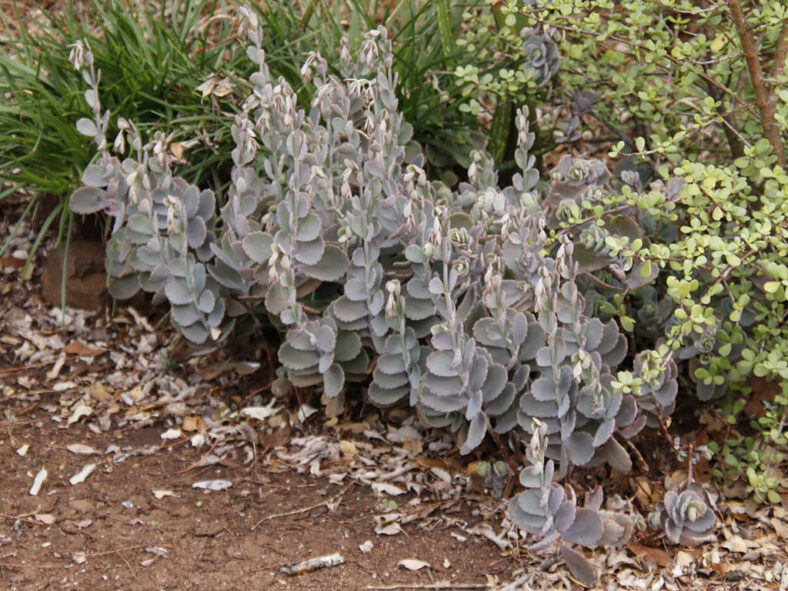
{"type": "Point", "coordinates": [307, 566]}
{"type": "Point", "coordinates": [520, 584]}
{"type": "Point", "coordinates": [6, 370]}
{"type": "Point", "coordinates": [16, 423]}
{"type": "Point", "coordinates": [303, 509]}
{"type": "Point", "coordinates": [126, 549]}
{"type": "Point", "coordinates": [20, 565]}
{"type": "Point", "coordinates": [126, 562]}
{"type": "Point", "coordinates": [197, 463]}
{"type": "Point", "coordinates": [22, 518]}
{"type": "Point", "coordinates": [639, 459]}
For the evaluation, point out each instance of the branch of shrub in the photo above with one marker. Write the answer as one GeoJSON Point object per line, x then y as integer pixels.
{"type": "Point", "coordinates": [765, 98]}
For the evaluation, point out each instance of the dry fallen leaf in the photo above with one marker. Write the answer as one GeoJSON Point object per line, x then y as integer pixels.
{"type": "Point", "coordinates": [172, 434]}
{"type": "Point", "coordinates": [45, 518]}
{"type": "Point", "coordinates": [389, 489]}
{"type": "Point", "coordinates": [650, 555]}
{"type": "Point", "coordinates": [366, 547]}
{"type": "Point", "coordinates": [99, 392]}
{"type": "Point", "coordinates": [413, 564]}
{"type": "Point", "coordinates": [261, 413]}
{"type": "Point", "coordinates": [735, 544]}
{"type": "Point", "coordinates": [780, 527]}
{"type": "Point", "coordinates": [486, 531]}
{"type": "Point", "coordinates": [684, 558]}
{"type": "Point", "coordinates": [348, 448]}
{"type": "Point", "coordinates": [194, 424]}
{"type": "Point", "coordinates": [213, 484]}
{"type": "Point", "coordinates": [77, 348]}
{"type": "Point", "coordinates": [388, 524]}
{"type": "Point", "coordinates": [81, 449]}
{"type": "Point", "coordinates": [80, 410]}
{"type": "Point", "coordinates": [176, 149]}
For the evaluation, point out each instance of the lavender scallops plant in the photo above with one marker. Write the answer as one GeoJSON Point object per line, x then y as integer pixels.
{"type": "Point", "coordinates": [451, 301]}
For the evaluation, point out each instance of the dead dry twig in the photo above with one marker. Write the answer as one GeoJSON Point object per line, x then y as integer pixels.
{"type": "Point", "coordinates": [303, 509]}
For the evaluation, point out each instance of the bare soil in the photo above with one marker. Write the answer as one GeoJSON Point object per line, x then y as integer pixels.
{"type": "Point", "coordinates": [111, 532]}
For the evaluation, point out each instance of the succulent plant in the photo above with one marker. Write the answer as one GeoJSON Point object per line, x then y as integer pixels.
{"type": "Point", "coordinates": [686, 516]}
{"type": "Point", "coordinates": [398, 370]}
{"type": "Point", "coordinates": [164, 226]}
{"type": "Point", "coordinates": [549, 511]}
{"type": "Point", "coordinates": [465, 304]}
{"type": "Point", "coordinates": [494, 476]}
{"type": "Point", "coordinates": [541, 56]}
{"type": "Point", "coordinates": [657, 387]}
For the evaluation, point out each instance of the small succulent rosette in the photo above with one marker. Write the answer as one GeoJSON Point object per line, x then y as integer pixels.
{"type": "Point", "coordinates": [686, 517]}
{"type": "Point", "coordinates": [541, 56]}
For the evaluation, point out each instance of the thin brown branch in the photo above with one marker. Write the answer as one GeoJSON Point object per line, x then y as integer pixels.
{"type": "Point", "coordinates": [780, 52]}
{"type": "Point", "coordinates": [197, 463]}
{"type": "Point", "coordinates": [734, 139]}
{"type": "Point", "coordinates": [763, 95]}
{"type": "Point", "coordinates": [21, 518]}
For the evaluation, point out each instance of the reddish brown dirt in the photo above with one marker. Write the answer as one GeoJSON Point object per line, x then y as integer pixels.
{"type": "Point", "coordinates": [207, 535]}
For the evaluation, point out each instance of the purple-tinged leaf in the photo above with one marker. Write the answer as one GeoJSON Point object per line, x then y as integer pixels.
{"type": "Point", "coordinates": [586, 530]}
{"type": "Point", "coordinates": [579, 566]}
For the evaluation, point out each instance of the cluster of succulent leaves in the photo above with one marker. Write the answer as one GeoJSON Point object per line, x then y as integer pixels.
{"type": "Point", "coordinates": [686, 516]}
{"type": "Point", "coordinates": [456, 302]}
{"type": "Point", "coordinates": [549, 511]}
{"type": "Point", "coordinates": [175, 68]}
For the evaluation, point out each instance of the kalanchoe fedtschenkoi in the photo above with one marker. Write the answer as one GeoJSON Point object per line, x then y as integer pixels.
{"type": "Point", "coordinates": [465, 304]}
{"type": "Point", "coordinates": [541, 56]}
{"type": "Point", "coordinates": [656, 387]}
{"type": "Point", "coordinates": [686, 516]}
{"type": "Point", "coordinates": [164, 226]}
{"type": "Point", "coordinates": [549, 511]}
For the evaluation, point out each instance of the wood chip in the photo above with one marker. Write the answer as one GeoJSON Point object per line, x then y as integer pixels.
{"type": "Point", "coordinates": [313, 564]}
{"type": "Point", "coordinates": [82, 475]}
{"type": "Point", "coordinates": [38, 481]}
